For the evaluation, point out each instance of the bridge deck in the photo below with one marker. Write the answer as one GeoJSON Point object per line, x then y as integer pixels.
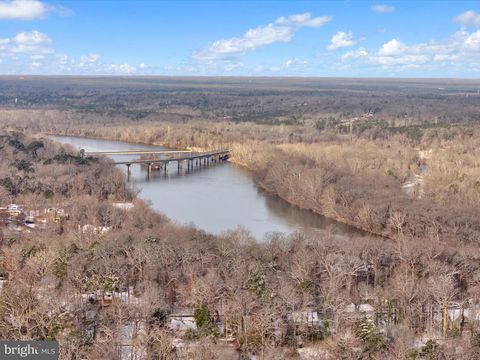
{"type": "Point", "coordinates": [189, 156]}
{"type": "Point", "coordinates": [136, 152]}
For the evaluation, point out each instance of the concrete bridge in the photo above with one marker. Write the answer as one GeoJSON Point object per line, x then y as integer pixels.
{"type": "Point", "coordinates": [135, 152]}
{"type": "Point", "coordinates": [192, 159]}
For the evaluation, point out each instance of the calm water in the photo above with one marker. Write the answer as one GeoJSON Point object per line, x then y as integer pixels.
{"type": "Point", "coordinates": [217, 198]}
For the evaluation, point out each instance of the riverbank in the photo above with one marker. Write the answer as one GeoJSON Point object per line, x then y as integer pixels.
{"type": "Point", "coordinates": [357, 183]}
{"type": "Point", "coordinates": [244, 156]}
{"type": "Point", "coordinates": [112, 138]}
{"type": "Point", "coordinates": [263, 186]}
{"type": "Point", "coordinates": [182, 196]}
{"type": "Point", "coordinates": [292, 202]}
{"type": "Point", "coordinates": [275, 213]}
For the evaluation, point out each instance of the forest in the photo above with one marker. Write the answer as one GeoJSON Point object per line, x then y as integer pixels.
{"type": "Point", "coordinates": [273, 101]}
{"type": "Point", "coordinates": [407, 289]}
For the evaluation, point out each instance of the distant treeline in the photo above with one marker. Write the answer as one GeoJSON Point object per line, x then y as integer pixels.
{"type": "Point", "coordinates": [286, 101]}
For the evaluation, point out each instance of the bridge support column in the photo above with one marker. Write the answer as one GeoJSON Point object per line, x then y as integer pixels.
{"type": "Point", "coordinates": [128, 170]}
{"type": "Point", "coordinates": [165, 167]}
{"type": "Point", "coordinates": [149, 169]}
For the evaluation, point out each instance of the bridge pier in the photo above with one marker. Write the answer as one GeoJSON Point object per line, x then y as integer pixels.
{"type": "Point", "coordinates": [149, 169]}
{"type": "Point", "coordinates": [193, 160]}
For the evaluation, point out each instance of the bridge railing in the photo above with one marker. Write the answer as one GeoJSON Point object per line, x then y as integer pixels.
{"type": "Point", "coordinates": [177, 157]}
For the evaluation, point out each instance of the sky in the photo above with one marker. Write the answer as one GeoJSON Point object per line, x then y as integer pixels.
{"type": "Point", "coordinates": [241, 38]}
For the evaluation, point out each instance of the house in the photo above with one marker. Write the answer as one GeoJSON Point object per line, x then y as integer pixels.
{"type": "Point", "coordinates": [308, 318]}
{"type": "Point", "coordinates": [360, 308]}
{"type": "Point", "coordinates": [124, 205]}
{"type": "Point", "coordinates": [14, 210]}
{"type": "Point", "coordinates": [99, 298]}
{"type": "Point", "coordinates": [33, 213]}
{"type": "Point", "coordinates": [94, 230]}
{"type": "Point", "coordinates": [55, 214]}
{"type": "Point", "coordinates": [12, 213]}
{"type": "Point", "coordinates": [181, 322]}
{"type": "Point", "coordinates": [105, 298]}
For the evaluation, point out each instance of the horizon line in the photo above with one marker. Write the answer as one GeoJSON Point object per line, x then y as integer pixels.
{"type": "Point", "coordinates": [232, 76]}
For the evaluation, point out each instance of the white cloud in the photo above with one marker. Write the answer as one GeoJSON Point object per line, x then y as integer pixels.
{"type": "Point", "coordinates": [29, 10]}
{"type": "Point", "coordinates": [468, 18]}
{"type": "Point", "coordinates": [355, 54]}
{"type": "Point", "coordinates": [91, 64]}
{"type": "Point", "coordinates": [472, 41]}
{"type": "Point", "coordinates": [32, 43]}
{"type": "Point", "coordinates": [301, 20]}
{"type": "Point", "coordinates": [233, 66]}
{"type": "Point", "coordinates": [32, 52]}
{"type": "Point", "coordinates": [461, 50]}
{"type": "Point", "coordinates": [294, 64]}
{"type": "Point", "coordinates": [22, 9]}
{"type": "Point", "coordinates": [125, 69]}
{"type": "Point", "coordinates": [86, 60]}
{"type": "Point", "coordinates": [280, 31]}
{"type": "Point", "coordinates": [341, 39]}
{"type": "Point", "coordinates": [392, 47]}
{"type": "Point", "coordinates": [381, 8]}
{"type": "Point", "coordinates": [32, 38]}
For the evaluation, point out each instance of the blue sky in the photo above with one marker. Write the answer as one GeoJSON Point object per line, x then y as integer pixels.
{"type": "Point", "coordinates": [246, 38]}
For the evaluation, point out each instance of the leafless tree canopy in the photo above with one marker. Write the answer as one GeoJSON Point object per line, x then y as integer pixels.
{"type": "Point", "coordinates": [107, 283]}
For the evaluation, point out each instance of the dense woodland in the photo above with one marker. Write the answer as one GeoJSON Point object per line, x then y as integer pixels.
{"type": "Point", "coordinates": [289, 101]}
{"type": "Point", "coordinates": [408, 291]}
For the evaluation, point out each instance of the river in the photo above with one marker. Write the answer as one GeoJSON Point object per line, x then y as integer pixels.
{"type": "Point", "coordinates": [217, 198]}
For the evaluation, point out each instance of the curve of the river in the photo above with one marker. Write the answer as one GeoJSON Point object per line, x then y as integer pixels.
{"type": "Point", "coordinates": [217, 198]}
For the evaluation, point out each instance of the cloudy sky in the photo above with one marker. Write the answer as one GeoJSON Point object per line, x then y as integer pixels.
{"type": "Point", "coordinates": [283, 38]}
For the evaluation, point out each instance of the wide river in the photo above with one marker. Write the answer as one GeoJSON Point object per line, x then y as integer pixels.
{"type": "Point", "coordinates": [217, 198]}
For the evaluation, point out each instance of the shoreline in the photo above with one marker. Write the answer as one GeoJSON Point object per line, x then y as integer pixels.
{"type": "Point", "coordinates": [110, 138]}
{"type": "Point", "coordinates": [341, 221]}
{"type": "Point", "coordinates": [245, 166]}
